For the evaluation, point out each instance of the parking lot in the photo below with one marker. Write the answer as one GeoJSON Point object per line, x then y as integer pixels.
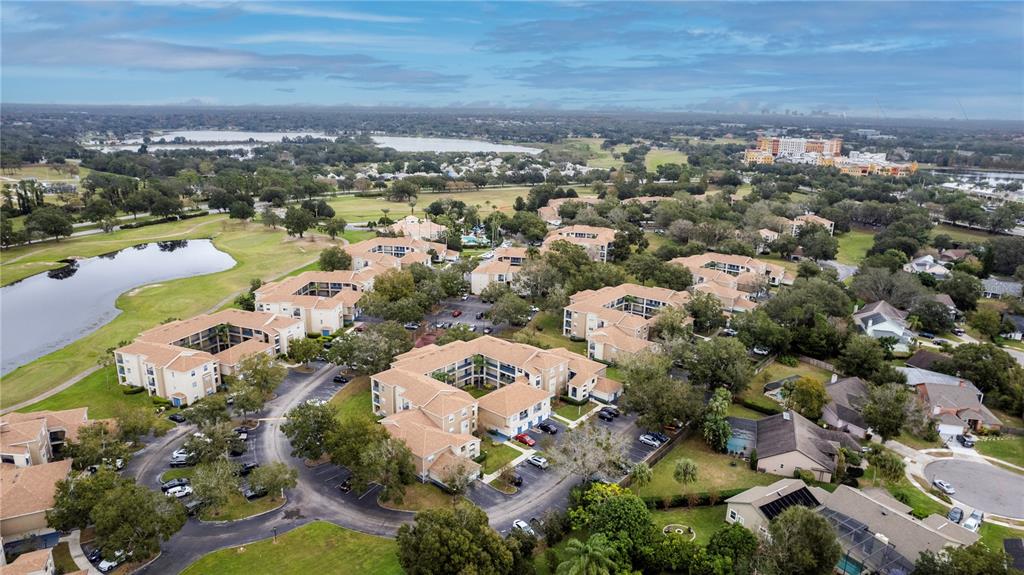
{"type": "Point", "coordinates": [468, 309]}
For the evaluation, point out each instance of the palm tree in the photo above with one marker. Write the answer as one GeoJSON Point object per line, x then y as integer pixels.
{"type": "Point", "coordinates": [590, 558]}
{"type": "Point", "coordinates": [412, 205]}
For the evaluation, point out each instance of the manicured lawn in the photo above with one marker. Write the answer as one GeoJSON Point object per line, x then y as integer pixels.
{"type": "Point", "coordinates": [318, 547]}
{"type": "Point", "coordinates": [550, 335]}
{"type": "Point", "coordinates": [574, 412]}
{"type": "Point", "coordinates": [99, 391]}
{"type": "Point", "coordinates": [704, 520]}
{"type": "Point", "coordinates": [238, 507]}
{"type": "Point", "coordinates": [737, 410]}
{"type": "Point", "coordinates": [917, 442]}
{"type": "Point", "coordinates": [1008, 448]}
{"type": "Point", "coordinates": [598, 156]}
{"type": "Point", "coordinates": [962, 234]}
{"type": "Point", "coordinates": [993, 535]}
{"type": "Point", "coordinates": [714, 471]}
{"type": "Point", "coordinates": [177, 473]}
{"type": "Point", "coordinates": [62, 559]}
{"type": "Point", "coordinates": [420, 496]}
{"type": "Point", "coordinates": [921, 504]}
{"type": "Point", "coordinates": [776, 371]}
{"type": "Point", "coordinates": [743, 190]}
{"type": "Point", "coordinates": [354, 400]}
{"type": "Point", "coordinates": [361, 209]}
{"type": "Point", "coordinates": [477, 392]}
{"type": "Point", "coordinates": [615, 372]}
{"type": "Point", "coordinates": [656, 158]}
{"type": "Point", "coordinates": [498, 456]}
{"type": "Point", "coordinates": [258, 252]}
{"type": "Point", "coordinates": [790, 265]}
{"type": "Point", "coordinates": [854, 246]}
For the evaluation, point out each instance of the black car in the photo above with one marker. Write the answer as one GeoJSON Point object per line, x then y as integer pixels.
{"type": "Point", "coordinates": [658, 435]}
{"type": "Point", "coordinates": [176, 418]}
{"type": "Point", "coordinates": [95, 555]}
{"type": "Point", "coordinates": [251, 493]}
{"type": "Point", "coordinates": [345, 486]}
{"type": "Point", "coordinates": [605, 416]}
{"type": "Point", "coordinates": [517, 480]}
{"type": "Point", "coordinates": [193, 507]}
{"type": "Point", "coordinates": [956, 515]}
{"type": "Point", "coordinates": [548, 428]}
{"type": "Point", "coordinates": [179, 482]}
{"type": "Point", "coordinates": [965, 440]}
{"type": "Point", "coordinates": [340, 379]}
{"type": "Point", "coordinates": [247, 468]}
{"type": "Point", "coordinates": [480, 315]}
{"type": "Point", "coordinates": [611, 410]}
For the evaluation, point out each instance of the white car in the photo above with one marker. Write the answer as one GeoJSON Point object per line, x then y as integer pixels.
{"type": "Point", "coordinates": [650, 440]}
{"type": "Point", "coordinates": [523, 526]}
{"type": "Point", "coordinates": [944, 487]}
{"type": "Point", "coordinates": [973, 522]}
{"type": "Point", "coordinates": [180, 491]}
{"type": "Point", "coordinates": [106, 566]}
{"type": "Point", "coordinates": [180, 454]}
{"type": "Point", "coordinates": [538, 461]}
{"type": "Point", "coordinates": [316, 401]}
{"type": "Point", "coordinates": [761, 350]}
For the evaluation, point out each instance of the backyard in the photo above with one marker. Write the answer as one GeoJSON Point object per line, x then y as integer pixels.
{"type": "Point", "coordinates": [715, 471]}
{"type": "Point", "coordinates": [317, 547]}
{"type": "Point", "coordinates": [704, 520]}
{"type": "Point", "coordinates": [854, 246]}
{"type": "Point", "coordinates": [547, 329]}
{"type": "Point", "coordinates": [498, 455]}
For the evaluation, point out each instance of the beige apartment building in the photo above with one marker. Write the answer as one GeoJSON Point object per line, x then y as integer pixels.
{"type": "Point", "coordinates": [183, 360]}
{"type": "Point", "coordinates": [513, 409]}
{"type": "Point", "coordinates": [615, 321]}
{"type": "Point", "coordinates": [26, 494]}
{"type": "Point", "coordinates": [502, 268]}
{"type": "Point", "coordinates": [40, 436]}
{"type": "Point", "coordinates": [324, 301]}
{"type": "Point", "coordinates": [735, 280]}
{"type": "Point", "coordinates": [386, 253]}
{"type": "Point", "coordinates": [596, 241]}
{"type": "Point", "coordinates": [549, 213]}
{"type": "Point", "coordinates": [413, 227]}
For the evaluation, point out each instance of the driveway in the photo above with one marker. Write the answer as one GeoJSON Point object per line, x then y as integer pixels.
{"type": "Point", "coordinates": [469, 308]}
{"type": "Point", "coordinates": [981, 485]}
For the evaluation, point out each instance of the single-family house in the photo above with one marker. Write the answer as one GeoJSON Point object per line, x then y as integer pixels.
{"type": "Point", "coordinates": [952, 256]}
{"type": "Point", "coordinates": [995, 288]}
{"type": "Point", "coordinates": [880, 319]}
{"type": "Point", "coordinates": [757, 506]}
{"type": "Point", "coordinates": [843, 411]}
{"type": "Point", "coordinates": [1016, 324]}
{"type": "Point", "coordinates": [947, 301]}
{"type": "Point", "coordinates": [788, 441]}
{"type": "Point", "coordinates": [927, 264]}
{"type": "Point", "coordinates": [925, 359]}
{"type": "Point", "coordinates": [957, 408]}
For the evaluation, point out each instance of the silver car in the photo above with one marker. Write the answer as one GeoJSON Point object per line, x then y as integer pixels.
{"type": "Point", "coordinates": [944, 487]}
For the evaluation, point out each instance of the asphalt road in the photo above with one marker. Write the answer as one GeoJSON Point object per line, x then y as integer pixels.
{"type": "Point", "coordinates": [469, 308]}
{"type": "Point", "coordinates": [983, 486]}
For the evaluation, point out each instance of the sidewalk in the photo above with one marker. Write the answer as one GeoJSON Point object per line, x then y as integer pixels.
{"type": "Point", "coordinates": [75, 545]}
{"type": "Point", "coordinates": [521, 458]}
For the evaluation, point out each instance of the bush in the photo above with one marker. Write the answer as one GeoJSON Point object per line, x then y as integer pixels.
{"type": "Point", "coordinates": [851, 482]}
{"type": "Point", "coordinates": [854, 471]}
{"type": "Point", "coordinates": [161, 402]}
{"type": "Point", "coordinates": [803, 475]}
{"type": "Point", "coordinates": [480, 458]}
{"type": "Point", "coordinates": [787, 360]}
{"type": "Point", "coordinates": [758, 407]}
{"type": "Point", "coordinates": [753, 459]}
{"type": "Point", "coordinates": [699, 499]}
{"type": "Point", "coordinates": [571, 401]}
{"type": "Point", "coordinates": [132, 390]}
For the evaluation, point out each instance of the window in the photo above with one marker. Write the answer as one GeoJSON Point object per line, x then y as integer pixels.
{"type": "Point", "coordinates": [451, 418]}
{"type": "Point", "coordinates": [732, 515]}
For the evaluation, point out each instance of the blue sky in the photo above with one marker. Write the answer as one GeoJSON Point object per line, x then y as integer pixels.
{"type": "Point", "coordinates": [875, 58]}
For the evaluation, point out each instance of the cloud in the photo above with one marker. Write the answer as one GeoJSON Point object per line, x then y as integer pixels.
{"type": "Point", "coordinates": [376, 41]}
{"type": "Point", "coordinates": [285, 90]}
{"type": "Point", "coordinates": [303, 11]}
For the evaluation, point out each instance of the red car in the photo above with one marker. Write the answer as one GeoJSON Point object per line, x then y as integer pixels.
{"type": "Point", "coordinates": [457, 313]}
{"type": "Point", "coordinates": [525, 440]}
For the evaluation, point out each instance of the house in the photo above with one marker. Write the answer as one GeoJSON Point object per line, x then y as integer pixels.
{"type": "Point", "coordinates": [549, 213]}
{"type": "Point", "coordinates": [879, 319]}
{"type": "Point", "coordinates": [400, 252]}
{"type": "Point", "coordinates": [750, 273]}
{"type": "Point", "coordinates": [947, 301]}
{"type": "Point", "coordinates": [413, 227]}
{"type": "Point", "coordinates": [596, 241]}
{"type": "Point", "coordinates": [843, 411]}
{"type": "Point", "coordinates": [995, 288]}
{"type": "Point", "coordinates": [40, 436]}
{"type": "Point", "coordinates": [927, 265]}
{"type": "Point", "coordinates": [26, 494]}
{"type": "Point", "coordinates": [502, 268]}
{"type": "Point", "coordinates": [925, 359]}
{"type": "Point", "coordinates": [953, 256]}
{"type": "Point", "coordinates": [615, 320]}
{"type": "Point", "coordinates": [514, 409]}
{"type": "Point", "coordinates": [797, 223]}
{"type": "Point", "coordinates": [767, 237]}
{"type": "Point", "coordinates": [38, 562]}
{"type": "Point", "coordinates": [324, 301]}
{"type": "Point", "coordinates": [757, 506]}
{"type": "Point", "coordinates": [183, 360]}
{"type": "Point", "coordinates": [1017, 321]}
{"type": "Point", "coordinates": [957, 408]}
{"type": "Point", "coordinates": [788, 442]}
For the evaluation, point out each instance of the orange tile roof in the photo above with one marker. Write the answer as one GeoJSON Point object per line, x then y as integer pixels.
{"type": "Point", "coordinates": [27, 490]}
{"type": "Point", "coordinates": [511, 399]}
{"type": "Point", "coordinates": [420, 435]}
{"type": "Point", "coordinates": [70, 420]}
{"type": "Point", "coordinates": [236, 353]}
{"type": "Point", "coordinates": [26, 563]}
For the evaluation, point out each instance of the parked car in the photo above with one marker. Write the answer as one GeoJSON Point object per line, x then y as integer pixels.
{"type": "Point", "coordinates": [465, 297]}
{"type": "Point", "coordinates": [180, 462]}
{"type": "Point", "coordinates": [926, 335]}
{"type": "Point", "coordinates": [179, 491]}
{"type": "Point", "coordinates": [193, 507]}
{"type": "Point", "coordinates": [341, 379]}
{"type": "Point", "coordinates": [661, 437]}
{"type": "Point", "coordinates": [171, 484]}
{"type": "Point", "coordinates": [456, 313]}
{"type": "Point", "coordinates": [487, 331]}
{"type": "Point", "coordinates": [611, 410]}
{"type": "Point", "coordinates": [247, 468]}
{"type": "Point", "coordinates": [728, 332]}
{"type": "Point", "coordinates": [479, 315]}
{"type": "Point", "coordinates": [973, 522]}
{"type": "Point", "coordinates": [251, 493]}
{"type": "Point", "coordinates": [241, 429]}
{"type": "Point", "coordinates": [523, 526]}
{"type": "Point", "coordinates": [176, 418]}
{"type": "Point", "coordinates": [944, 487]}
{"type": "Point", "coordinates": [534, 309]}
{"type": "Point", "coordinates": [108, 565]}
{"type": "Point", "coordinates": [412, 326]}
{"type": "Point", "coordinates": [958, 331]}
{"type": "Point", "coordinates": [517, 480]}
{"type": "Point", "coordinates": [95, 555]}
{"type": "Point", "coordinates": [648, 440]}
{"type": "Point", "coordinates": [956, 515]}
{"type": "Point", "coordinates": [605, 416]}
{"type": "Point", "coordinates": [761, 350]}
{"type": "Point", "coordinates": [243, 435]}
{"type": "Point", "coordinates": [345, 486]}
{"type": "Point", "coordinates": [538, 461]}
{"type": "Point", "coordinates": [548, 428]}
{"type": "Point", "coordinates": [180, 453]}
{"type": "Point", "coordinates": [965, 440]}
{"type": "Point", "coordinates": [238, 451]}
{"type": "Point", "coordinates": [525, 440]}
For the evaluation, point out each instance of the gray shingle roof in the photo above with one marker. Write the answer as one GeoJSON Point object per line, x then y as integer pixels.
{"type": "Point", "coordinates": [1001, 287]}
{"type": "Point", "coordinates": [848, 396]}
{"type": "Point", "coordinates": [790, 431]}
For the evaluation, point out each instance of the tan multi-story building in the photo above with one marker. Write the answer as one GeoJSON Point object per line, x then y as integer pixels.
{"type": "Point", "coordinates": [37, 437]}
{"type": "Point", "coordinates": [26, 494]}
{"type": "Point", "coordinates": [183, 360]}
{"type": "Point", "coordinates": [734, 280]}
{"type": "Point", "coordinates": [413, 227]}
{"type": "Point", "coordinates": [597, 241]}
{"type": "Point", "coordinates": [385, 252]}
{"type": "Point", "coordinates": [513, 409]}
{"type": "Point", "coordinates": [502, 269]}
{"type": "Point", "coordinates": [796, 146]}
{"type": "Point", "coordinates": [615, 321]}
{"type": "Point", "coordinates": [549, 213]}
{"type": "Point", "coordinates": [324, 301]}
{"type": "Point", "coordinates": [794, 226]}
{"type": "Point", "coordinates": [825, 153]}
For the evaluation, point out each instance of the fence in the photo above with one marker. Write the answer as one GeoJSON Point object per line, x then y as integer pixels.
{"type": "Point", "coordinates": [658, 454]}
{"type": "Point", "coordinates": [818, 363]}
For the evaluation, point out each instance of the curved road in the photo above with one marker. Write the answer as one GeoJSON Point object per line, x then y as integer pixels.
{"type": "Point", "coordinates": [981, 485]}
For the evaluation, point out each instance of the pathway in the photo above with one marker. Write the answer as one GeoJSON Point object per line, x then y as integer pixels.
{"type": "Point", "coordinates": [74, 541]}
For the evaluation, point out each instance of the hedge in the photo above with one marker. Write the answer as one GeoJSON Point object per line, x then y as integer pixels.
{"type": "Point", "coordinates": [132, 390]}
{"type": "Point", "coordinates": [571, 401]}
{"type": "Point", "coordinates": [163, 220]}
{"type": "Point", "coordinates": [682, 500]}
{"type": "Point", "coordinates": [757, 407]}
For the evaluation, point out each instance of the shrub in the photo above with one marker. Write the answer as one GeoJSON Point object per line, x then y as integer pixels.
{"type": "Point", "coordinates": [161, 402]}
{"type": "Point", "coordinates": [758, 407]}
{"type": "Point", "coordinates": [699, 499]}
{"type": "Point", "coordinates": [132, 390]}
{"type": "Point", "coordinates": [803, 475]}
{"type": "Point", "coordinates": [851, 482]}
{"type": "Point", "coordinates": [787, 360]}
{"type": "Point", "coordinates": [571, 401]}
{"type": "Point", "coordinates": [753, 459]}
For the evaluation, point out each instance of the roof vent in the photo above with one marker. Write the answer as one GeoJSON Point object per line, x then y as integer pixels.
{"type": "Point", "coordinates": [787, 416]}
{"type": "Point", "coordinates": [882, 538]}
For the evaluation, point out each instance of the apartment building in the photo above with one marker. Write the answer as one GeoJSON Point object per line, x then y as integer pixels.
{"type": "Point", "coordinates": [596, 241]}
{"type": "Point", "coordinates": [413, 227]}
{"type": "Point", "coordinates": [40, 436]}
{"type": "Point", "coordinates": [748, 271]}
{"type": "Point", "coordinates": [324, 301]}
{"type": "Point", "coordinates": [502, 268]}
{"type": "Point", "coordinates": [824, 153]}
{"type": "Point", "coordinates": [549, 213]}
{"type": "Point", "coordinates": [386, 253]}
{"type": "Point", "coordinates": [794, 226]}
{"type": "Point", "coordinates": [26, 494]}
{"type": "Point", "coordinates": [513, 409]}
{"type": "Point", "coordinates": [183, 360]}
{"type": "Point", "coordinates": [615, 321]}
{"type": "Point", "coordinates": [795, 146]}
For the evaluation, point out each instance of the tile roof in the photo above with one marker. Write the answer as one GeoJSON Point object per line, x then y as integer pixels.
{"type": "Point", "coordinates": [70, 420]}
{"type": "Point", "coordinates": [420, 435]}
{"type": "Point", "coordinates": [511, 399]}
{"type": "Point", "coordinates": [286, 290]}
{"type": "Point", "coordinates": [176, 330]}
{"type": "Point", "coordinates": [28, 563]}
{"type": "Point", "coordinates": [162, 354]}
{"type": "Point", "coordinates": [601, 236]}
{"type": "Point", "coordinates": [412, 226]}
{"type": "Point", "coordinates": [236, 353]}
{"type": "Point", "coordinates": [27, 490]}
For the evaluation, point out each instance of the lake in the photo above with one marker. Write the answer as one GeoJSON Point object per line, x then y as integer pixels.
{"type": "Point", "coordinates": [226, 136]}
{"type": "Point", "coordinates": [415, 144]}
{"type": "Point", "coordinates": [48, 311]}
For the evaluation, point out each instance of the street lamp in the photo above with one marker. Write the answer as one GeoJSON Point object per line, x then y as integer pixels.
{"type": "Point", "coordinates": [275, 534]}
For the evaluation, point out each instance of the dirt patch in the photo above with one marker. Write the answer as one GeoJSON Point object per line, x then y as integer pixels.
{"type": "Point", "coordinates": [139, 290]}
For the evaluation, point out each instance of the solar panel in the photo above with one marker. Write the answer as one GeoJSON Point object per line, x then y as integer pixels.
{"type": "Point", "coordinates": [801, 496]}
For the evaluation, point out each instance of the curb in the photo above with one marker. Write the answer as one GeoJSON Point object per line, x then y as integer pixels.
{"type": "Point", "coordinates": [229, 521]}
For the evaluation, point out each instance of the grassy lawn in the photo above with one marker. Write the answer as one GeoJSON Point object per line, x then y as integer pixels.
{"type": "Point", "coordinates": [258, 252]}
{"type": "Point", "coordinates": [420, 496]}
{"type": "Point", "coordinates": [551, 333]}
{"type": "Point", "coordinates": [776, 371]}
{"type": "Point", "coordinates": [790, 265]}
{"type": "Point", "coordinates": [177, 473]}
{"type": "Point", "coordinates": [916, 442]}
{"type": "Point", "coordinates": [498, 456]}
{"type": "Point", "coordinates": [62, 559]}
{"type": "Point", "coordinates": [993, 535]}
{"type": "Point", "coordinates": [854, 246]}
{"type": "Point", "coordinates": [354, 400]}
{"type": "Point", "coordinates": [477, 392]}
{"type": "Point", "coordinates": [238, 507]}
{"type": "Point", "coordinates": [615, 372]}
{"type": "Point", "coordinates": [962, 234]}
{"type": "Point", "coordinates": [714, 471]}
{"type": "Point", "coordinates": [574, 412]}
{"type": "Point", "coordinates": [743, 190]}
{"type": "Point", "coordinates": [361, 209]}
{"type": "Point", "coordinates": [99, 391]}
{"type": "Point", "coordinates": [656, 158]}
{"type": "Point", "coordinates": [704, 520]}
{"type": "Point", "coordinates": [318, 547]}
{"type": "Point", "coordinates": [1008, 448]}
{"type": "Point", "coordinates": [1009, 419]}
{"type": "Point", "coordinates": [737, 410]}
{"type": "Point", "coordinates": [921, 504]}
{"type": "Point", "coordinates": [598, 156]}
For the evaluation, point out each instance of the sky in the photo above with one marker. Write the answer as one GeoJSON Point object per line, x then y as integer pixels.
{"type": "Point", "coordinates": [871, 59]}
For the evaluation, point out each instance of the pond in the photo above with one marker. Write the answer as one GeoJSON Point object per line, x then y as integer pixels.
{"type": "Point", "coordinates": [48, 311]}
{"type": "Point", "coordinates": [411, 144]}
